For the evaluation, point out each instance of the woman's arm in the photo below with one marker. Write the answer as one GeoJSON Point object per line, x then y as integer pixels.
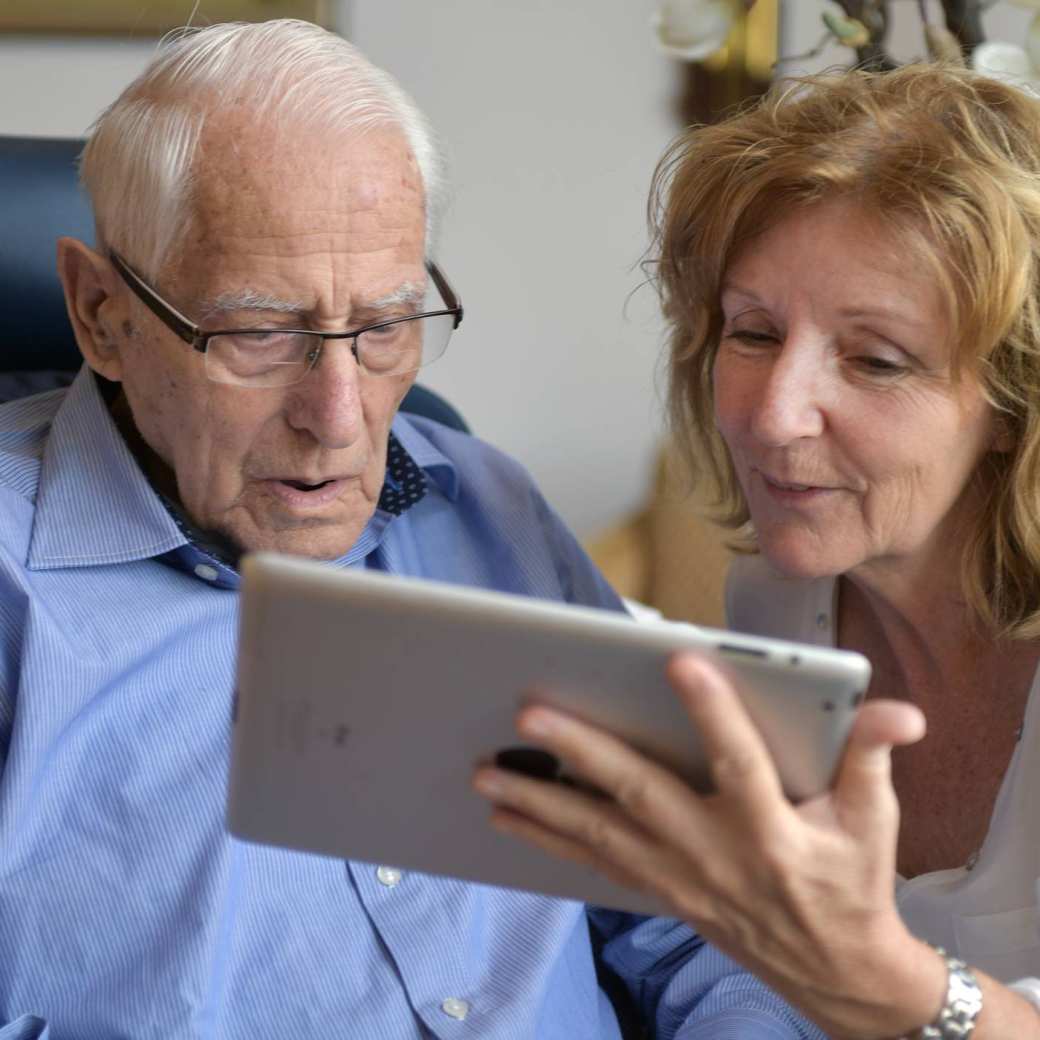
{"type": "Point", "coordinates": [802, 895]}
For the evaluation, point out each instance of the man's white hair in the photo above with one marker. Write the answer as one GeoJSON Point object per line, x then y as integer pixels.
{"type": "Point", "coordinates": [138, 165]}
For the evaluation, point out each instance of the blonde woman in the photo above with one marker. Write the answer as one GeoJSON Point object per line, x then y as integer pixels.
{"type": "Point", "coordinates": [852, 278]}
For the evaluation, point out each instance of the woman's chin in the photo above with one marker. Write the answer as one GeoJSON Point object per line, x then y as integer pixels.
{"type": "Point", "coordinates": [793, 558]}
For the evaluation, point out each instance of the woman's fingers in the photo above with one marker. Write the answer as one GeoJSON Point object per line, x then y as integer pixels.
{"type": "Point", "coordinates": [567, 822]}
{"type": "Point", "coordinates": [654, 797]}
{"type": "Point", "coordinates": [888, 722]}
{"type": "Point", "coordinates": [650, 794]}
{"type": "Point", "coordinates": [740, 763]}
{"type": "Point", "coordinates": [863, 791]}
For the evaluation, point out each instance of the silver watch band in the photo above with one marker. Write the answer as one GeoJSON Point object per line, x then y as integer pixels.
{"type": "Point", "coordinates": [956, 1018]}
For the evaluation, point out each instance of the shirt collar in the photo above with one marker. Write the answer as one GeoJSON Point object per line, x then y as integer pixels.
{"type": "Point", "coordinates": [427, 456]}
{"type": "Point", "coordinates": [93, 504]}
{"type": "Point", "coordinates": [89, 473]}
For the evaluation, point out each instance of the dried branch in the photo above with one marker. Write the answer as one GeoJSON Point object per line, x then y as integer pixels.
{"type": "Point", "coordinates": [964, 20]}
{"type": "Point", "coordinates": [873, 14]}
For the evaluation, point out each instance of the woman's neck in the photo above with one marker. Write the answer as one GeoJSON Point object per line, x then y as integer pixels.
{"type": "Point", "coordinates": [923, 638]}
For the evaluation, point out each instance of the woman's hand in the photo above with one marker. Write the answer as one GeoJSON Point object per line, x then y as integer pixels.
{"type": "Point", "coordinates": [801, 895]}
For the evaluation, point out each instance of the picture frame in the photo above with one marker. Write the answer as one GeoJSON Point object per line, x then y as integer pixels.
{"type": "Point", "coordinates": [146, 17]}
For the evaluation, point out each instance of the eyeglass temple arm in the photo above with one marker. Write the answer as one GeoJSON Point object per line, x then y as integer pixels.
{"type": "Point", "coordinates": [177, 323]}
{"type": "Point", "coordinates": [447, 292]}
{"type": "Point", "coordinates": [191, 333]}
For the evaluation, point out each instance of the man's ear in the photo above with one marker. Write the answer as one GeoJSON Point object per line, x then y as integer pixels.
{"type": "Point", "coordinates": [94, 310]}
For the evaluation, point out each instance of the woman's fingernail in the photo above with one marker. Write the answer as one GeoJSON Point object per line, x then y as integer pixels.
{"type": "Point", "coordinates": [489, 784]}
{"type": "Point", "coordinates": [535, 723]}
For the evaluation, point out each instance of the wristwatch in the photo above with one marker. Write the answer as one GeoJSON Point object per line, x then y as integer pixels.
{"type": "Point", "coordinates": [956, 1018]}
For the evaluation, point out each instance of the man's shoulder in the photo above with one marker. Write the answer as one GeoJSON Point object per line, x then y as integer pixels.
{"type": "Point", "coordinates": [24, 427]}
{"type": "Point", "coordinates": [480, 467]}
{"type": "Point", "coordinates": [481, 481]}
{"type": "Point", "coordinates": [503, 518]}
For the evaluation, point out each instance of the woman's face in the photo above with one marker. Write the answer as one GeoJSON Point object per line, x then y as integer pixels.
{"type": "Point", "coordinates": [833, 391]}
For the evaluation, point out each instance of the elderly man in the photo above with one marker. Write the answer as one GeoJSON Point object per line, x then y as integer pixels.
{"type": "Point", "coordinates": [257, 305]}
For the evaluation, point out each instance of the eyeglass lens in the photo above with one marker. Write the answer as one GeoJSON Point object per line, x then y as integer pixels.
{"type": "Point", "coordinates": [273, 358]}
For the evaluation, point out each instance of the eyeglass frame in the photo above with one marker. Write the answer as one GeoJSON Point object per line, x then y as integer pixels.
{"type": "Point", "coordinates": [195, 337]}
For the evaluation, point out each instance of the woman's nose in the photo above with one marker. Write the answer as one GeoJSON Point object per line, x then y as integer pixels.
{"type": "Point", "coordinates": [790, 403]}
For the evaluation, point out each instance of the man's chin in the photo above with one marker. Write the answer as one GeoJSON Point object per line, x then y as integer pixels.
{"type": "Point", "coordinates": [316, 541]}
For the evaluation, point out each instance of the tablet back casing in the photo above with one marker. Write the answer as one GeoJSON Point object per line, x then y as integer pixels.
{"type": "Point", "coordinates": [365, 701]}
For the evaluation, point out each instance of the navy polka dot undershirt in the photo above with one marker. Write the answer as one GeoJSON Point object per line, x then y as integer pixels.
{"type": "Point", "coordinates": [404, 484]}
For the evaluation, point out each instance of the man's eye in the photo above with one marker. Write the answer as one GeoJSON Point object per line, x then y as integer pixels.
{"type": "Point", "coordinates": [264, 338]}
{"type": "Point", "coordinates": [386, 332]}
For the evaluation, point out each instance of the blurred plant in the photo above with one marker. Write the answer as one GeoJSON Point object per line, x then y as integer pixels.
{"type": "Point", "coordinates": [1009, 61]}
{"type": "Point", "coordinates": [693, 30]}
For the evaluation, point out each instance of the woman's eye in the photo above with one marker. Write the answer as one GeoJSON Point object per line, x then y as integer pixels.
{"type": "Point", "coordinates": [880, 366]}
{"type": "Point", "coordinates": [751, 337]}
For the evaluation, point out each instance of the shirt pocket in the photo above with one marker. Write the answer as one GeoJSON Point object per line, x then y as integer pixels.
{"type": "Point", "coordinates": [1005, 945]}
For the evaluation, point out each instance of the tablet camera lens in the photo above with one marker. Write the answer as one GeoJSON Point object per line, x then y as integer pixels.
{"type": "Point", "coordinates": [533, 762]}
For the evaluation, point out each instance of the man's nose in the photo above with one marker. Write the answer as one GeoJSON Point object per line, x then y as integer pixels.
{"type": "Point", "coordinates": [791, 401]}
{"type": "Point", "coordinates": [327, 401]}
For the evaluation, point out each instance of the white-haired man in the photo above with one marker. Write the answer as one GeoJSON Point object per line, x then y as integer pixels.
{"type": "Point", "coordinates": [258, 303]}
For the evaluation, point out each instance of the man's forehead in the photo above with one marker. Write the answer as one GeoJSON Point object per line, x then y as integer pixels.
{"type": "Point", "coordinates": [299, 181]}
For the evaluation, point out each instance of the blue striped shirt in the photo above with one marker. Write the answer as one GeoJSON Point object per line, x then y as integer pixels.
{"type": "Point", "coordinates": [126, 910]}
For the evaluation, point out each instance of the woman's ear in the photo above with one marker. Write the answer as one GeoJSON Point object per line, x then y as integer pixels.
{"type": "Point", "coordinates": [89, 283]}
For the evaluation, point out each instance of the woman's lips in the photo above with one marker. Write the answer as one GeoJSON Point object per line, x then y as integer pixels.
{"type": "Point", "coordinates": [792, 493]}
{"type": "Point", "coordinates": [300, 496]}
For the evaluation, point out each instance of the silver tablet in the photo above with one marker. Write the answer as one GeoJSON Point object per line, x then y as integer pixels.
{"type": "Point", "coordinates": [364, 702]}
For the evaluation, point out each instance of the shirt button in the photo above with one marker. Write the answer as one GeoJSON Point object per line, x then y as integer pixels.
{"type": "Point", "coordinates": [204, 570]}
{"type": "Point", "coordinates": [389, 876]}
{"type": "Point", "coordinates": [822, 620]}
{"type": "Point", "coordinates": [455, 1008]}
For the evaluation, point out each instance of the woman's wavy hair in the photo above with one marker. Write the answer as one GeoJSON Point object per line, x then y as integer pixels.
{"type": "Point", "coordinates": [947, 163]}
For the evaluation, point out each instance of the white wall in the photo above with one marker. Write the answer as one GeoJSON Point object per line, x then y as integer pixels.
{"type": "Point", "coordinates": [56, 86]}
{"type": "Point", "coordinates": [553, 116]}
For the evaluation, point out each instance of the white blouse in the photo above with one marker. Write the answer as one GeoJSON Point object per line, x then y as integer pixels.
{"type": "Point", "coordinates": [986, 911]}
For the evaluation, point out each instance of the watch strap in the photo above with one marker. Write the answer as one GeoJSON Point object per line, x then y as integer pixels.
{"type": "Point", "coordinates": [956, 1018]}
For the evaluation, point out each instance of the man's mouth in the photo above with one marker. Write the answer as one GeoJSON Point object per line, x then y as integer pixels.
{"type": "Point", "coordinates": [298, 493]}
{"type": "Point", "coordinates": [302, 485]}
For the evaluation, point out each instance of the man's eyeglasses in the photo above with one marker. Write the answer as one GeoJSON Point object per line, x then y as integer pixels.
{"type": "Point", "coordinates": [280, 357]}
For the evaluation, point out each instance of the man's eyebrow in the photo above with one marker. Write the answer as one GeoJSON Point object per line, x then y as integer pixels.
{"type": "Point", "coordinates": [250, 300]}
{"type": "Point", "coordinates": [408, 293]}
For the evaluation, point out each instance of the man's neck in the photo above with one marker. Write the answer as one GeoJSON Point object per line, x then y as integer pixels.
{"type": "Point", "coordinates": [163, 480]}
